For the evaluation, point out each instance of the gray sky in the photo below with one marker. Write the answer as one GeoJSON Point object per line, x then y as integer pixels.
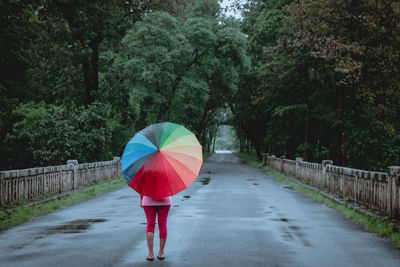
{"type": "Point", "coordinates": [230, 13]}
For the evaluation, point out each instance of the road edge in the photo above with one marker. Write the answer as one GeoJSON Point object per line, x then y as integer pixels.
{"type": "Point", "coordinates": [371, 221]}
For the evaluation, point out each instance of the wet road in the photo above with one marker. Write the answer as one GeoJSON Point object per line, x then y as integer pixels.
{"type": "Point", "coordinates": [232, 215]}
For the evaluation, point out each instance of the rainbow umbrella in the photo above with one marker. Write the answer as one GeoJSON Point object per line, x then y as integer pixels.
{"type": "Point", "coordinates": [161, 160]}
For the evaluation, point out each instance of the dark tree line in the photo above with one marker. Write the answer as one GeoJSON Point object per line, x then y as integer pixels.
{"type": "Point", "coordinates": [310, 78]}
{"type": "Point", "coordinates": [324, 82]}
{"type": "Point", "coordinates": [79, 78]}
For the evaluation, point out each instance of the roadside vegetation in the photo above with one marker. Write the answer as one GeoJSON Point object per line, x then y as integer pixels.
{"type": "Point", "coordinates": [382, 227]}
{"type": "Point", "coordinates": [19, 213]}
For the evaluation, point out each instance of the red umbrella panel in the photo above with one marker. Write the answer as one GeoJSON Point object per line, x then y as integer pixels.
{"type": "Point", "coordinates": [162, 160]}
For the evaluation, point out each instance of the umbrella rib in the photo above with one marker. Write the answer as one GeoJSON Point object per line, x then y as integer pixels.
{"type": "Point", "coordinates": [171, 137]}
{"type": "Point", "coordinates": [182, 165]}
{"type": "Point", "coordinates": [173, 155]}
{"type": "Point", "coordinates": [172, 167]}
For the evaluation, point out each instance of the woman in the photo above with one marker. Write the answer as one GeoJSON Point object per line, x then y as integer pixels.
{"type": "Point", "coordinates": [153, 207]}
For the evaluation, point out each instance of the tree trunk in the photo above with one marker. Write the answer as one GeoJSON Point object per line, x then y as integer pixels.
{"type": "Point", "coordinates": [258, 153]}
{"type": "Point", "coordinates": [215, 138]}
{"type": "Point", "coordinates": [90, 67]}
{"type": "Point", "coordinates": [213, 148]}
{"type": "Point", "coordinates": [341, 136]}
{"type": "Point", "coordinates": [310, 140]}
{"type": "Point", "coordinates": [292, 143]}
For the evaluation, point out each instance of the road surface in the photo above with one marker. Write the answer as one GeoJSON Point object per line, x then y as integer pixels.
{"type": "Point", "coordinates": [232, 215]}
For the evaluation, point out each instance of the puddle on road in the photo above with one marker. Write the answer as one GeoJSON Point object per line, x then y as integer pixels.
{"type": "Point", "coordinates": [124, 197]}
{"type": "Point", "coordinates": [286, 234]}
{"type": "Point", "coordinates": [280, 220]}
{"type": "Point", "coordinates": [72, 227]}
{"type": "Point", "coordinates": [204, 180]}
{"type": "Point", "coordinates": [289, 233]}
{"type": "Point", "coordinates": [288, 187]}
{"type": "Point", "coordinates": [19, 246]}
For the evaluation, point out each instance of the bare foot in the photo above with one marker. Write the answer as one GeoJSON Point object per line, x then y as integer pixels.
{"type": "Point", "coordinates": [150, 257]}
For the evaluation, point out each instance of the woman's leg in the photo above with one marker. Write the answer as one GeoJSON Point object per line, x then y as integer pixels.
{"type": "Point", "coordinates": [151, 222]}
{"type": "Point", "coordinates": [162, 226]}
{"type": "Point", "coordinates": [150, 244]}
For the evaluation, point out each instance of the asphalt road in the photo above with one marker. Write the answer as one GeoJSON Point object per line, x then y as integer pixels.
{"type": "Point", "coordinates": [232, 215]}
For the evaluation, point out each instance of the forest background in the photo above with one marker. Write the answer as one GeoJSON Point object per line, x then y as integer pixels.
{"type": "Point", "coordinates": [318, 79]}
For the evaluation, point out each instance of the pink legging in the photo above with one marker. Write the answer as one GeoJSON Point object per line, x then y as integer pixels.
{"type": "Point", "coordinates": [162, 212]}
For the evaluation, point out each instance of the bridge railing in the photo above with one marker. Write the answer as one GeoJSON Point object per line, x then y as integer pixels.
{"type": "Point", "coordinates": [28, 184]}
{"type": "Point", "coordinates": [378, 191]}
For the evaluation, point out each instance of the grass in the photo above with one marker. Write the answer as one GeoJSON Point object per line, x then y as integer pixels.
{"type": "Point", "coordinates": [382, 227]}
{"type": "Point", "coordinates": [11, 216]}
{"type": "Point", "coordinates": [250, 159]}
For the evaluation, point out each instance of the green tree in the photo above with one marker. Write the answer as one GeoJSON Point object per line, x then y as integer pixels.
{"type": "Point", "coordinates": [46, 134]}
{"type": "Point", "coordinates": [54, 51]}
{"type": "Point", "coordinates": [251, 108]}
{"type": "Point", "coordinates": [84, 29]}
{"type": "Point", "coordinates": [327, 78]}
{"type": "Point", "coordinates": [180, 70]}
{"type": "Point", "coordinates": [17, 35]}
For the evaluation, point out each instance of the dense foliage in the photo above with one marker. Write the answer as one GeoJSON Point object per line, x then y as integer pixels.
{"type": "Point", "coordinates": [312, 78]}
{"type": "Point", "coordinates": [44, 133]}
{"type": "Point", "coordinates": [79, 78]}
{"type": "Point", "coordinates": [326, 80]}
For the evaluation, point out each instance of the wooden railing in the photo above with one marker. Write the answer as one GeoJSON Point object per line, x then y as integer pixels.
{"type": "Point", "coordinates": [379, 191]}
{"type": "Point", "coordinates": [27, 184]}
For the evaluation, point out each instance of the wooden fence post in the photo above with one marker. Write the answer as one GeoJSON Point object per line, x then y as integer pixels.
{"type": "Point", "coordinates": [118, 170]}
{"type": "Point", "coordinates": [324, 177]}
{"type": "Point", "coordinates": [356, 188]}
{"type": "Point", "coordinates": [265, 155]}
{"type": "Point", "coordinates": [2, 191]}
{"type": "Point", "coordinates": [298, 159]}
{"type": "Point", "coordinates": [75, 172]}
{"type": "Point", "coordinates": [272, 162]}
{"type": "Point", "coordinates": [281, 159]}
{"type": "Point", "coordinates": [325, 163]}
{"type": "Point", "coordinates": [393, 181]}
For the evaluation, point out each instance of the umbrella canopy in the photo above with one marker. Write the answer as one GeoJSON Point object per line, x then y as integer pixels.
{"type": "Point", "coordinates": [161, 160]}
